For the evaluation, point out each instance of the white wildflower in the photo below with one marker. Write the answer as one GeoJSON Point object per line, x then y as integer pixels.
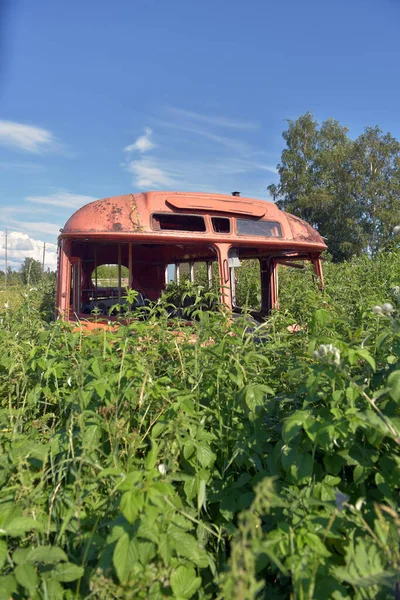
{"type": "Point", "coordinates": [6, 305]}
{"type": "Point", "coordinates": [328, 353]}
{"type": "Point", "coordinates": [359, 504]}
{"type": "Point", "coordinates": [396, 292]}
{"type": "Point", "coordinates": [396, 230]}
{"type": "Point", "coordinates": [162, 468]}
{"type": "Point", "coordinates": [387, 308]}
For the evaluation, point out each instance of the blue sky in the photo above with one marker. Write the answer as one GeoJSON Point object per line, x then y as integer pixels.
{"type": "Point", "coordinates": [99, 98]}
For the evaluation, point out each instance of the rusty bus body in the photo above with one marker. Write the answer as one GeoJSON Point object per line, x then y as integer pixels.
{"type": "Point", "coordinates": [148, 232]}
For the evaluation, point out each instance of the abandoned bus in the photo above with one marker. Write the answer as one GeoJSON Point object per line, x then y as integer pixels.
{"type": "Point", "coordinates": [150, 235]}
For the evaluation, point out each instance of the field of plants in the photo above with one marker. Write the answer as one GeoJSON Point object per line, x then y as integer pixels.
{"type": "Point", "coordinates": [219, 460]}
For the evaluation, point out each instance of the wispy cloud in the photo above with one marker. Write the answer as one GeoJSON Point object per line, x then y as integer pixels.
{"type": "Point", "coordinates": [143, 143]}
{"type": "Point", "coordinates": [148, 174]}
{"type": "Point", "coordinates": [198, 152]}
{"type": "Point", "coordinates": [21, 245]}
{"type": "Point", "coordinates": [215, 121]}
{"type": "Point", "coordinates": [234, 144]}
{"type": "Point", "coordinates": [62, 199]}
{"type": "Point", "coordinates": [26, 137]}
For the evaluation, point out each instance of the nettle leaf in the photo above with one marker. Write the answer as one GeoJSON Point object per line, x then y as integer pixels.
{"type": "Point", "coordinates": [155, 592]}
{"type": "Point", "coordinates": [352, 356]}
{"type": "Point", "coordinates": [147, 551]}
{"type": "Point", "coordinates": [299, 464]}
{"type": "Point", "coordinates": [187, 546]}
{"type": "Point", "coordinates": [67, 572]}
{"type": "Point", "coordinates": [360, 474]}
{"type": "Point", "coordinates": [363, 353]}
{"type": "Point", "coordinates": [92, 437]}
{"type": "Point", "coordinates": [26, 576]}
{"type": "Point", "coordinates": [184, 582]}
{"type": "Point", "coordinates": [46, 554]}
{"type": "Point", "coordinates": [394, 385]}
{"type": "Point", "coordinates": [151, 458]}
{"type": "Point", "coordinates": [125, 556]}
{"type": "Point", "coordinates": [320, 318]}
{"type": "Point", "coordinates": [190, 488]}
{"type": "Point", "coordinates": [54, 589]}
{"type": "Point", "coordinates": [20, 526]}
{"type": "Point", "coordinates": [101, 388]}
{"type": "Point", "coordinates": [158, 429]}
{"type": "Point", "coordinates": [131, 504]}
{"type": "Point", "coordinates": [254, 395]}
{"type": "Point", "coordinates": [110, 472]}
{"type": "Point", "coordinates": [8, 587]}
{"type": "Point", "coordinates": [316, 544]}
{"type": "Point", "coordinates": [96, 368]}
{"type": "Point", "coordinates": [382, 339]}
{"type": "Point", "coordinates": [364, 566]}
{"type": "Point", "coordinates": [201, 495]}
{"type": "Point", "coordinates": [188, 449]}
{"type": "Point", "coordinates": [294, 424]}
{"type": "Point", "coordinates": [204, 454]}
{"type": "Point", "coordinates": [371, 419]}
{"type": "Point", "coordinates": [166, 547]}
{"type": "Point", "coordinates": [160, 488]}
{"type": "Point", "coordinates": [3, 553]}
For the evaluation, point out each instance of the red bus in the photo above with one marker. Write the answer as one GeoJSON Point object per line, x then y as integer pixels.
{"type": "Point", "coordinates": [149, 235]}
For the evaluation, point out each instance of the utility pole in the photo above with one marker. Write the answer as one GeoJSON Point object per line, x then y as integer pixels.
{"type": "Point", "coordinates": [6, 261]}
{"type": "Point", "coordinates": [44, 254]}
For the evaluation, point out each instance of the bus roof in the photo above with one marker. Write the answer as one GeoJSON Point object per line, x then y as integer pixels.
{"type": "Point", "coordinates": [132, 215]}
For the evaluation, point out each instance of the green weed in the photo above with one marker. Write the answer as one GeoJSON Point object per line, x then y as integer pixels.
{"type": "Point", "coordinates": [212, 460]}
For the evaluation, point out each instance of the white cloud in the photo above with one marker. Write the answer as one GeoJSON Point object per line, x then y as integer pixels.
{"type": "Point", "coordinates": [233, 144]}
{"type": "Point", "coordinates": [143, 143]}
{"type": "Point", "coordinates": [36, 226]}
{"type": "Point", "coordinates": [25, 137]}
{"type": "Point", "coordinates": [217, 162]}
{"type": "Point", "coordinates": [148, 174]}
{"type": "Point", "coordinates": [212, 120]}
{"type": "Point", "coordinates": [63, 199]}
{"type": "Point", "coordinates": [21, 245]}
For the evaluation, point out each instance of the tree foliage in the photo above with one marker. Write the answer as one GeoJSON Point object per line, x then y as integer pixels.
{"type": "Point", "coordinates": [348, 189]}
{"type": "Point", "coordinates": [31, 271]}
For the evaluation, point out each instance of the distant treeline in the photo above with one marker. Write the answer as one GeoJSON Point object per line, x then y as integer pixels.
{"type": "Point", "coordinates": [29, 273]}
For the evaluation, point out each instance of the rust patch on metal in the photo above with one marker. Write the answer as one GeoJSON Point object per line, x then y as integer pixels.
{"type": "Point", "coordinates": [134, 215]}
{"type": "Point", "coordinates": [302, 231]}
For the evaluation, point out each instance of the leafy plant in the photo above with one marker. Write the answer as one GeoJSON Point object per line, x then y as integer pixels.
{"type": "Point", "coordinates": [206, 458]}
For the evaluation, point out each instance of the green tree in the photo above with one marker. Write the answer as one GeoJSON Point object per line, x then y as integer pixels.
{"type": "Point", "coordinates": [31, 271]}
{"type": "Point", "coordinates": [376, 167]}
{"type": "Point", "coordinates": [349, 190]}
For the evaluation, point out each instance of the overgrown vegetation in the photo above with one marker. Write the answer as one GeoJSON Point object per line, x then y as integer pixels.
{"type": "Point", "coordinates": [206, 461]}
